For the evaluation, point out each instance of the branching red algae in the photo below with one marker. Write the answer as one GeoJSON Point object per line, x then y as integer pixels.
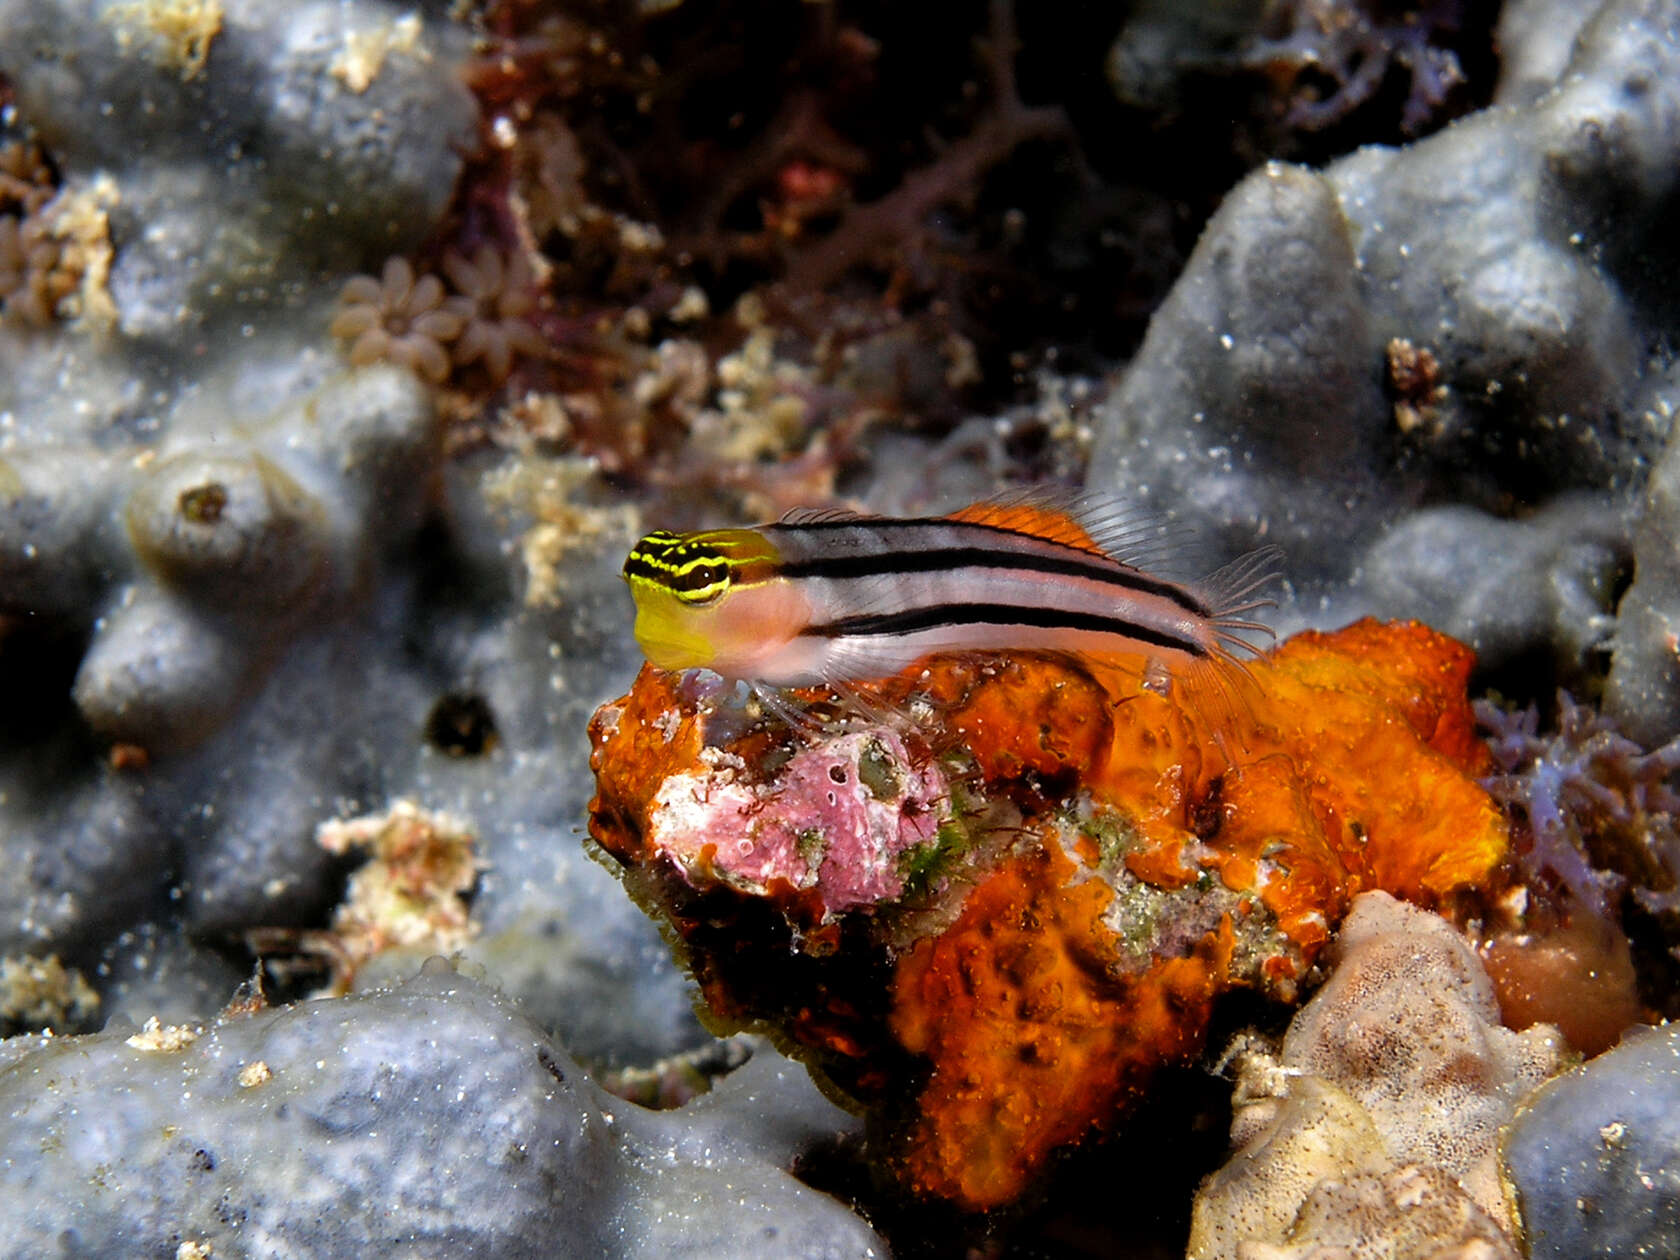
{"type": "Point", "coordinates": [1051, 884]}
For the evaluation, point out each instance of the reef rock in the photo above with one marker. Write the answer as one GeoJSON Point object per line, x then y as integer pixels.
{"type": "Point", "coordinates": [991, 920]}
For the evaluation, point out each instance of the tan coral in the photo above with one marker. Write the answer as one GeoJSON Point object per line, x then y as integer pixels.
{"type": "Point", "coordinates": [34, 277]}
{"type": "Point", "coordinates": [1313, 1132]}
{"type": "Point", "coordinates": [79, 219]}
{"type": "Point", "coordinates": [553, 493]}
{"type": "Point", "coordinates": [175, 34]}
{"type": "Point", "coordinates": [1398, 1071]}
{"type": "Point", "coordinates": [43, 993]}
{"type": "Point", "coordinates": [412, 891]}
{"type": "Point", "coordinates": [26, 178]}
{"type": "Point", "coordinates": [363, 55]}
{"type": "Point", "coordinates": [400, 319]}
{"type": "Point", "coordinates": [157, 1037]}
{"type": "Point", "coordinates": [1412, 1213]}
{"type": "Point", "coordinates": [760, 411]}
{"type": "Point", "coordinates": [411, 894]}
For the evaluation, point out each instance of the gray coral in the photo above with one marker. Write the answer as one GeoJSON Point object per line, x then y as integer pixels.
{"type": "Point", "coordinates": [213, 579]}
{"type": "Point", "coordinates": [1521, 248]}
{"type": "Point", "coordinates": [1643, 690]}
{"type": "Point", "coordinates": [1592, 1158]}
{"type": "Point", "coordinates": [432, 1118]}
{"type": "Point", "coordinates": [218, 555]}
{"type": "Point", "coordinates": [264, 124]}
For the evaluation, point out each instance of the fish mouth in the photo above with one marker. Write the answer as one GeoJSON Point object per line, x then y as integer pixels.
{"type": "Point", "coordinates": [668, 647]}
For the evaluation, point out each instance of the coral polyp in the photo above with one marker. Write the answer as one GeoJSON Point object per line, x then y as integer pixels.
{"type": "Point", "coordinates": [400, 319]}
{"type": "Point", "coordinates": [990, 904]}
{"type": "Point", "coordinates": [500, 296]}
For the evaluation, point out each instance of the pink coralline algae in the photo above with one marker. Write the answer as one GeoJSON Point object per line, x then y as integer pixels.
{"type": "Point", "coordinates": [835, 825]}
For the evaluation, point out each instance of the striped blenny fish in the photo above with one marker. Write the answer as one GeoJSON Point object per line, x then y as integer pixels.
{"type": "Point", "coordinates": [831, 596]}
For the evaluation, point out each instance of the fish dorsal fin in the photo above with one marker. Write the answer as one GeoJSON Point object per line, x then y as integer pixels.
{"type": "Point", "coordinates": [1041, 520]}
{"type": "Point", "coordinates": [823, 515]}
{"type": "Point", "coordinates": [1089, 521]}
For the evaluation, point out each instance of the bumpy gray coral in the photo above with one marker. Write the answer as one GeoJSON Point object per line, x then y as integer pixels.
{"type": "Point", "coordinates": [1594, 1157]}
{"type": "Point", "coordinates": [1644, 685]}
{"type": "Point", "coordinates": [216, 578]}
{"type": "Point", "coordinates": [1544, 585]}
{"type": "Point", "coordinates": [432, 1118]}
{"type": "Point", "coordinates": [1518, 259]}
{"type": "Point", "coordinates": [223, 548]}
{"type": "Point", "coordinates": [312, 111]}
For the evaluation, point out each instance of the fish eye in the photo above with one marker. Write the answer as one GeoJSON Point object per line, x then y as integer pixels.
{"type": "Point", "coordinates": [709, 582]}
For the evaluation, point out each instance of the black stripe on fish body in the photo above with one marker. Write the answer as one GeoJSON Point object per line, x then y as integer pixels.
{"type": "Point", "coordinates": [1092, 567]}
{"type": "Point", "coordinates": [939, 616]}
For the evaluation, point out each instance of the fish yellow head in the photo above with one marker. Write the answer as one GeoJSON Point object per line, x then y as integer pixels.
{"type": "Point", "coordinates": [712, 599]}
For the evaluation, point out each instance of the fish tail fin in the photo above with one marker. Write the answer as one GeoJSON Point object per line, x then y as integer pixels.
{"type": "Point", "coordinates": [1236, 590]}
{"type": "Point", "coordinates": [1227, 686]}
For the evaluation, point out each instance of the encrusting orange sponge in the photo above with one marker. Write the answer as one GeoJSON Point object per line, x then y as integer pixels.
{"type": "Point", "coordinates": [989, 918]}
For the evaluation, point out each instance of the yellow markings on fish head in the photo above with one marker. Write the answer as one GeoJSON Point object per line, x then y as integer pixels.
{"type": "Point", "coordinates": [708, 599]}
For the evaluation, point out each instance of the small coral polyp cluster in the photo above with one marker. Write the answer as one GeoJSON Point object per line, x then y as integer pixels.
{"type": "Point", "coordinates": [400, 319]}
{"type": "Point", "coordinates": [990, 903]}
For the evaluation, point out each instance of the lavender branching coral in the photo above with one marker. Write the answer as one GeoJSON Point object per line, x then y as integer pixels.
{"type": "Point", "coordinates": [1599, 806]}
{"type": "Point", "coordinates": [1353, 48]}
